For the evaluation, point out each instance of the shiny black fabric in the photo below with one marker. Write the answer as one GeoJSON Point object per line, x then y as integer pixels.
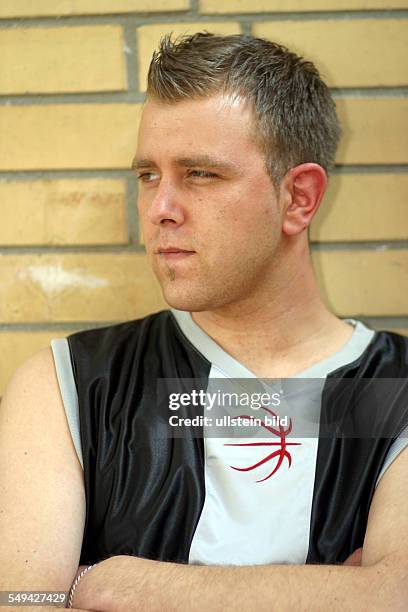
{"type": "Point", "coordinates": [144, 491]}
{"type": "Point", "coordinates": [347, 467]}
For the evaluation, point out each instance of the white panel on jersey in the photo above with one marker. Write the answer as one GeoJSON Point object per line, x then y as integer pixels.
{"type": "Point", "coordinates": [245, 522]}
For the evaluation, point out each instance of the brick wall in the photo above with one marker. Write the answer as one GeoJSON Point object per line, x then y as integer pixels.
{"type": "Point", "coordinates": [71, 83]}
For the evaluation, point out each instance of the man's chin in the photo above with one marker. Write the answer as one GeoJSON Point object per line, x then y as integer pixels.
{"type": "Point", "coordinates": [186, 301]}
{"type": "Point", "coordinates": [189, 305]}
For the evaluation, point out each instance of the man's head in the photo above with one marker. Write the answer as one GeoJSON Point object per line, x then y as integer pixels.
{"type": "Point", "coordinates": [294, 115]}
{"type": "Point", "coordinates": [234, 141]}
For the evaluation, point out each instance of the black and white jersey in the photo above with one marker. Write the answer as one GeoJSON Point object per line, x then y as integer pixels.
{"type": "Point", "coordinates": [204, 499]}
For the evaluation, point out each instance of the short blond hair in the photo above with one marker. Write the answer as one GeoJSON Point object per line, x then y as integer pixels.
{"type": "Point", "coordinates": [295, 115]}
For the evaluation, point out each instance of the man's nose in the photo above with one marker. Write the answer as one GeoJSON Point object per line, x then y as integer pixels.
{"type": "Point", "coordinates": [166, 206]}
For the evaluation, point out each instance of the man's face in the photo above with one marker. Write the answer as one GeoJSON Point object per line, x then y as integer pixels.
{"type": "Point", "coordinates": [205, 194]}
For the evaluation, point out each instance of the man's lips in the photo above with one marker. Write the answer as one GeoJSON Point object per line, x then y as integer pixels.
{"type": "Point", "coordinates": [173, 253]}
{"type": "Point", "coordinates": [173, 250]}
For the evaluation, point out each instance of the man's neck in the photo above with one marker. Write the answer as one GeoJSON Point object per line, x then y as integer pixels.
{"type": "Point", "coordinates": [281, 337]}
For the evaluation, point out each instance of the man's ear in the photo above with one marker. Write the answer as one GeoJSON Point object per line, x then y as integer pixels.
{"type": "Point", "coordinates": [301, 191]}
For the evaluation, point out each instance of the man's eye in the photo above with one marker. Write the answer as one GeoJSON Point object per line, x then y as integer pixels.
{"type": "Point", "coordinates": [147, 177]}
{"type": "Point", "coordinates": [202, 174]}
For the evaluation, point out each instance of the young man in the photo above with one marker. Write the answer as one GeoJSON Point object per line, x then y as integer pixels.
{"type": "Point", "coordinates": [236, 138]}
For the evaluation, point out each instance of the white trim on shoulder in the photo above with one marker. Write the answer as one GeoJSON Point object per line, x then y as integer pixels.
{"type": "Point", "coordinates": [66, 381]}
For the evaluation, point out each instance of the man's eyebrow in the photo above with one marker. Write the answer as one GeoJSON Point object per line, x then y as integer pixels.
{"type": "Point", "coordinates": [189, 162]}
{"type": "Point", "coordinates": [206, 160]}
{"type": "Point", "coordinates": [141, 163]}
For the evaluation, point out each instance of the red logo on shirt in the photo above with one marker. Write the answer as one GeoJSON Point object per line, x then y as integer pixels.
{"type": "Point", "coordinates": [279, 454]}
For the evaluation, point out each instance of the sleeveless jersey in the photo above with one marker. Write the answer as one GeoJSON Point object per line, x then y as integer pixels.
{"type": "Point", "coordinates": [197, 499]}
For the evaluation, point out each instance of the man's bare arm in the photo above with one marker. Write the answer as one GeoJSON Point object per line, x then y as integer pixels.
{"type": "Point", "coordinates": [42, 505]}
{"type": "Point", "coordinates": [380, 584]}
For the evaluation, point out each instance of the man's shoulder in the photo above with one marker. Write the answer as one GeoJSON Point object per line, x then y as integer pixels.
{"type": "Point", "coordinates": [34, 371]}
{"type": "Point", "coordinates": [118, 332]}
{"type": "Point", "coordinates": [386, 355]}
{"type": "Point", "coordinates": [395, 336]}
{"type": "Point", "coordinates": [391, 346]}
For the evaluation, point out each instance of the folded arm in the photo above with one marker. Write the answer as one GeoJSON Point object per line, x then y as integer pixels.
{"type": "Point", "coordinates": [380, 584]}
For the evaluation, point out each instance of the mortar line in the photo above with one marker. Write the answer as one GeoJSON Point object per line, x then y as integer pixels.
{"type": "Point", "coordinates": [190, 15]}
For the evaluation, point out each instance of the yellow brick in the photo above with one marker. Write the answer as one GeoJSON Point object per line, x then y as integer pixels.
{"type": "Point", "coordinates": [364, 283]}
{"type": "Point", "coordinates": [374, 130]}
{"type": "Point", "coordinates": [77, 287]}
{"type": "Point", "coordinates": [363, 207]}
{"type": "Point", "coordinates": [149, 37]}
{"type": "Point", "coordinates": [67, 136]}
{"type": "Point", "coordinates": [16, 347]}
{"type": "Point", "coordinates": [378, 48]}
{"type": "Point", "coordinates": [34, 8]}
{"type": "Point", "coordinates": [65, 211]}
{"type": "Point", "coordinates": [46, 60]}
{"type": "Point", "coordinates": [260, 6]}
